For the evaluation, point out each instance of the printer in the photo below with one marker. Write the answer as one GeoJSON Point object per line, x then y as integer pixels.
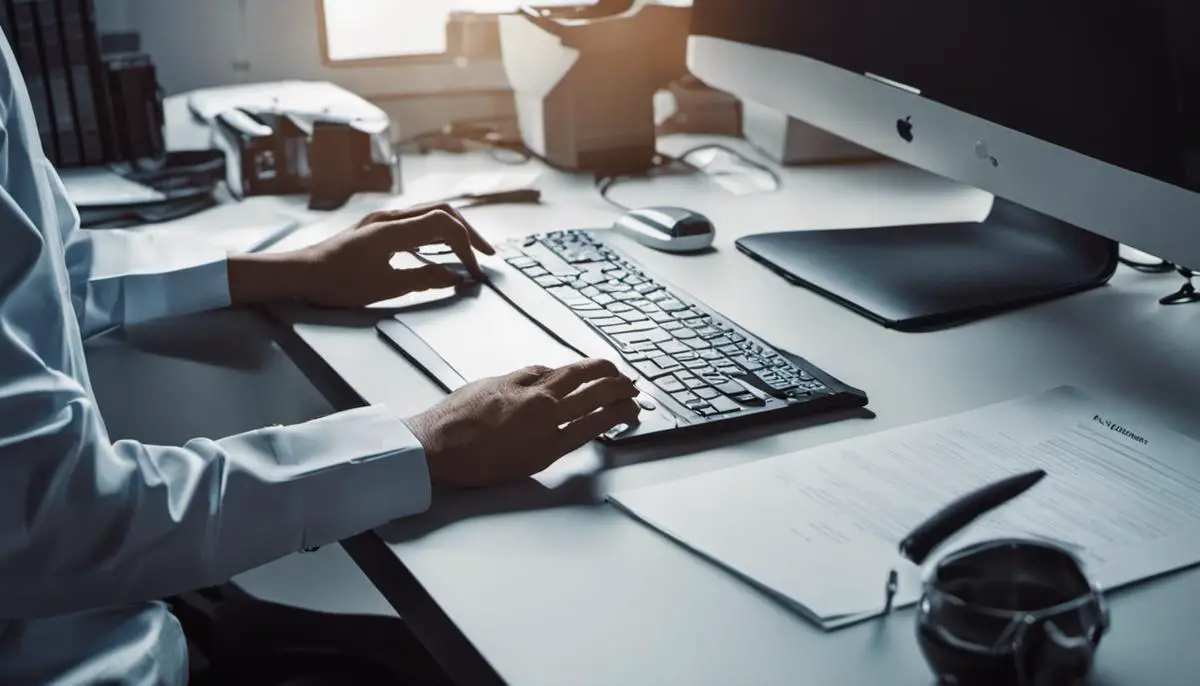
{"type": "Point", "coordinates": [584, 80]}
{"type": "Point", "coordinates": [296, 137]}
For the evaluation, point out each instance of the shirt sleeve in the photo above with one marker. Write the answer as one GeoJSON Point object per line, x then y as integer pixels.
{"type": "Point", "coordinates": [121, 277]}
{"type": "Point", "coordinates": [88, 523]}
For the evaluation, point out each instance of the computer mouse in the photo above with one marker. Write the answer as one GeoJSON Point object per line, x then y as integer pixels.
{"type": "Point", "coordinates": [669, 229]}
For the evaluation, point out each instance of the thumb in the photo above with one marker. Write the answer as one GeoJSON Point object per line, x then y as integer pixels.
{"type": "Point", "coordinates": [427, 278]}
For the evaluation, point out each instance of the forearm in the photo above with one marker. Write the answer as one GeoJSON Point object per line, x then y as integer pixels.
{"type": "Point", "coordinates": [266, 278]}
{"type": "Point", "coordinates": [89, 524]}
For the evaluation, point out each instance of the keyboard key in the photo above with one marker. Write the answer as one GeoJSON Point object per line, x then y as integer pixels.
{"type": "Point", "coordinates": [684, 334]}
{"type": "Point", "coordinates": [730, 388]}
{"type": "Point", "coordinates": [522, 262]}
{"type": "Point", "coordinates": [698, 405]}
{"type": "Point", "coordinates": [650, 370]}
{"type": "Point", "coordinates": [589, 292]}
{"type": "Point", "coordinates": [722, 342]}
{"type": "Point", "coordinates": [671, 324]}
{"type": "Point", "coordinates": [602, 299]}
{"type": "Point", "coordinates": [633, 316]}
{"type": "Point", "coordinates": [728, 349]}
{"type": "Point", "coordinates": [607, 321]}
{"type": "Point", "coordinates": [645, 306]}
{"type": "Point", "coordinates": [659, 296]}
{"type": "Point", "coordinates": [724, 405]}
{"type": "Point", "coordinates": [696, 384]}
{"type": "Point", "coordinates": [667, 363]}
{"type": "Point", "coordinates": [686, 397]}
{"type": "Point", "coordinates": [686, 357]}
{"type": "Point", "coordinates": [648, 347]}
{"type": "Point", "coordinates": [626, 296]}
{"type": "Point", "coordinates": [661, 317]}
{"type": "Point", "coordinates": [749, 400]}
{"type": "Point", "coordinates": [612, 287]}
{"type": "Point", "coordinates": [671, 385]}
{"type": "Point", "coordinates": [592, 315]}
{"type": "Point", "coordinates": [646, 287]}
{"type": "Point", "coordinates": [694, 364]}
{"type": "Point", "coordinates": [708, 333]}
{"type": "Point", "coordinates": [673, 347]}
{"type": "Point", "coordinates": [710, 355]}
{"type": "Point", "coordinates": [748, 363]}
{"type": "Point", "coordinates": [618, 308]}
{"type": "Point", "coordinates": [672, 305]}
{"type": "Point", "coordinates": [697, 343]}
{"type": "Point", "coordinates": [655, 336]}
{"type": "Point", "coordinates": [695, 322]}
{"type": "Point", "coordinates": [548, 281]}
{"type": "Point", "coordinates": [630, 328]}
{"type": "Point", "coordinates": [591, 278]}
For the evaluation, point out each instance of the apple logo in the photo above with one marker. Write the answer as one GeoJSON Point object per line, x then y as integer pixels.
{"type": "Point", "coordinates": [905, 128]}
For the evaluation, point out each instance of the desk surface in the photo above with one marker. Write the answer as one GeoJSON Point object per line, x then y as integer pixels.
{"type": "Point", "coordinates": [543, 588]}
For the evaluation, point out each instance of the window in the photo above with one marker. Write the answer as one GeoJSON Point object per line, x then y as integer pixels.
{"type": "Point", "coordinates": [357, 30]}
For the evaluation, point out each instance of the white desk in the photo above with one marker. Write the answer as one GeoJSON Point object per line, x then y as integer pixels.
{"type": "Point", "coordinates": [528, 586]}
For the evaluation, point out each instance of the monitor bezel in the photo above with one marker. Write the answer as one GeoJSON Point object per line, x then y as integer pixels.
{"type": "Point", "coordinates": [1137, 210]}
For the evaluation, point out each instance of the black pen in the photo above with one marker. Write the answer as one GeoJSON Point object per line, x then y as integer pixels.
{"type": "Point", "coordinates": [951, 519]}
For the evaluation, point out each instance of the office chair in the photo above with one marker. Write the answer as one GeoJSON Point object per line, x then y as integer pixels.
{"type": "Point", "coordinates": [236, 638]}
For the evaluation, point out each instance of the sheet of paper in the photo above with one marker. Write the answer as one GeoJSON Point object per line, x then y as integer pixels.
{"type": "Point", "coordinates": [440, 186]}
{"type": "Point", "coordinates": [821, 527]}
{"type": "Point", "coordinates": [253, 225]}
{"type": "Point", "coordinates": [102, 187]}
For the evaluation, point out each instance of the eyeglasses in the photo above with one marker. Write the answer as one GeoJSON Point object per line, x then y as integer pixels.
{"type": "Point", "coordinates": [1019, 613]}
{"type": "Point", "coordinates": [1006, 612]}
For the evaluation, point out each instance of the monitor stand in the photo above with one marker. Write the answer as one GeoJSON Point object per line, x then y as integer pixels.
{"type": "Point", "coordinates": [934, 276]}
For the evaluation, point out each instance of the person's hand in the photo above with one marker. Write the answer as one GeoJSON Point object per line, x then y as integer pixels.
{"type": "Point", "coordinates": [503, 429]}
{"type": "Point", "coordinates": [353, 268]}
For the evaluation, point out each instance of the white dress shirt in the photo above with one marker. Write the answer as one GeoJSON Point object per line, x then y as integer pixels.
{"type": "Point", "coordinates": [92, 532]}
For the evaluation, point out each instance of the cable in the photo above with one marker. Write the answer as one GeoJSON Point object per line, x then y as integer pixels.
{"type": "Point", "coordinates": [778, 181]}
{"type": "Point", "coordinates": [663, 161]}
{"type": "Point", "coordinates": [1185, 295]}
{"type": "Point", "coordinates": [1162, 267]}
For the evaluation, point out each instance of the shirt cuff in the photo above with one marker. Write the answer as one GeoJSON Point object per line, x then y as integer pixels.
{"type": "Point", "coordinates": [201, 287]}
{"type": "Point", "coordinates": [361, 469]}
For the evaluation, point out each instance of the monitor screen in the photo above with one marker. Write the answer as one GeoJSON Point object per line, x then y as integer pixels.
{"type": "Point", "coordinates": [1116, 80]}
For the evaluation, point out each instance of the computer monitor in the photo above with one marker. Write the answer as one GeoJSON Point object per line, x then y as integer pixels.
{"type": "Point", "coordinates": [1074, 113]}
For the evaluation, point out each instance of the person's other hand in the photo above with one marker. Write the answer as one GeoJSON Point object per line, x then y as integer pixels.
{"type": "Point", "coordinates": [503, 429]}
{"type": "Point", "coordinates": [354, 268]}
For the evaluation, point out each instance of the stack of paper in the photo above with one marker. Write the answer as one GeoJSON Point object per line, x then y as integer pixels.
{"type": "Point", "coordinates": [820, 529]}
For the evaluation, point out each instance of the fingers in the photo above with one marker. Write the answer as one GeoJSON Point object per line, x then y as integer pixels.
{"type": "Point", "coordinates": [584, 431]}
{"type": "Point", "coordinates": [530, 375]}
{"type": "Point", "coordinates": [418, 211]}
{"type": "Point", "coordinates": [434, 227]}
{"type": "Point", "coordinates": [564, 381]}
{"type": "Point", "coordinates": [425, 278]}
{"type": "Point", "coordinates": [594, 396]}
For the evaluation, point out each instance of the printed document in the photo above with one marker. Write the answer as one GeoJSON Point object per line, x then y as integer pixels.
{"type": "Point", "coordinates": [820, 529]}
